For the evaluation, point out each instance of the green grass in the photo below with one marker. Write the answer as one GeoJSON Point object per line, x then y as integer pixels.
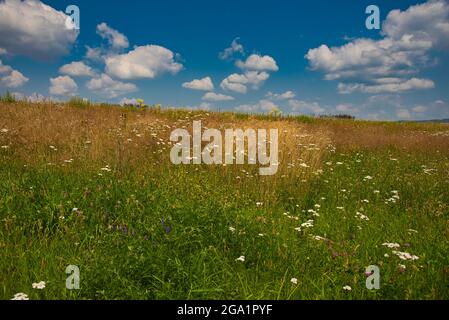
{"type": "Point", "coordinates": [148, 229]}
{"type": "Point", "coordinates": [124, 251]}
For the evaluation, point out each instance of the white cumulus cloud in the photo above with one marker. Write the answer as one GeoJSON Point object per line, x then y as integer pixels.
{"type": "Point", "coordinates": [63, 86]}
{"type": "Point", "coordinates": [77, 69]}
{"type": "Point", "coordinates": [428, 22]}
{"type": "Point", "coordinates": [11, 78]}
{"type": "Point", "coordinates": [143, 62]}
{"type": "Point", "coordinates": [258, 63]}
{"type": "Point", "coordinates": [234, 48]}
{"type": "Point", "coordinates": [239, 82]}
{"type": "Point", "coordinates": [212, 96]}
{"type": "Point", "coordinates": [392, 87]}
{"type": "Point", "coordinates": [281, 96]}
{"type": "Point", "coordinates": [299, 106]}
{"type": "Point", "coordinates": [115, 39]}
{"type": "Point", "coordinates": [204, 84]}
{"type": "Point", "coordinates": [263, 105]}
{"type": "Point", "coordinates": [106, 86]}
{"type": "Point", "coordinates": [34, 29]}
{"type": "Point", "coordinates": [391, 63]}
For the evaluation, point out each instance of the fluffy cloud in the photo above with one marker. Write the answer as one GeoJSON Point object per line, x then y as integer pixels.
{"type": "Point", "coordinates": [263, 105]}
{"type": "Point", "coordinates": [368, 59]}
{"type": "Point", "coordinates": [63, 86]}
{"type": "Point", "coordinates": [240, 82]}
{"type": "Point", "coordinates": [347, 108]}
{"type": "Point", "coordinates": [95, 54]}
{"type": "Point", "coordinates": [128, 101]}
{"type": "Point", "coordinates": [37, 97]}
{"type": "Point", "coordinates": [143, 62]}
{"type": "Point", "coordinates": [115, 39]}
{"type": "Point", "coordinates": [34, 29]}
{"type": "Point", "coordinates": [281, 96]}
{"type": "Point", "coordinates": [204, 84]}
{"type": "Point", "coordinates": [212, 96]}
{"type": "Point", "coordinates": [116, 43]}
{"type": "Point", "coordinates": [399, 86]}
{"type": "Point", "coordinates": [104, 85]}
{"type": "Point", "coordinates": [428, 22]}
{"type": "Point", "coordinates": [11, 78]}
{"type": "Point", "coordinates": [77, 69]}
{"type": "Point", "coordinates": [258, 63]}
{"type": "Point", "coordinates": [388, 64]}
{"type": "Point", "coordinates": [255, 74]}
{"type": "Point", "coordinates": [234, 48]}
{"type": "Point", "coordinates": [299, 106]}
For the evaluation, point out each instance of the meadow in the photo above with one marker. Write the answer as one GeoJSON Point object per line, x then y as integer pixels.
{"type": "Point", "coordinates": [93, 186]}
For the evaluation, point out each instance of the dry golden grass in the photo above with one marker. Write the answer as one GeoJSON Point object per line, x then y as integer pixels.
{"type": "Point", "coordinates": [100, 134]}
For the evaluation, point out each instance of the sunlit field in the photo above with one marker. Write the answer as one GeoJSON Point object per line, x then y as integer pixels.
{"type": "Point", "coordinates": [93, 186]}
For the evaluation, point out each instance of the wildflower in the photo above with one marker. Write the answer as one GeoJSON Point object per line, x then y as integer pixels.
{"type": "Point", "coordinates": [259, 204]}
{"type": "Point", "coordinates": [106, 168]}
{"type": "Point", "coordinates": [232, 229]}
{"type": "Point", "coordinates": [405, 255]}
{"type": "Point", "coordinates": [340, 208]}
{"type": "Point", "coordinates": [294, 280]}
{"type": "Point", "coordinates": [347, 288]}
{"type": "Point", "coordinates": [4, 130]}
{"type": "Point", "coordinates": [5, 147]}
{"type": "Point", "coordinates": [368, 178]}
{"type": "Point", "coordinates": [20, 296]}
{"type": "Point", "coordinates": [241, 258]}
{"type": "Point", "coordinates": [391, 245]}
{"type": "Point", "coordinates": [261, 235]}
{"type": "Point", "coordinates": [307, 224]}
{"type": "Point", "coordinates": [39, 285]}
{"type": "Point", "coordinates": [386, 255]}
{"type": "Point", "coordinates": [361, 216]}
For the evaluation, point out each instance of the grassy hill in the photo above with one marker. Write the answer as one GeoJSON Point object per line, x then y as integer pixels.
{"type": "Point", "coordinates": [93, 186]}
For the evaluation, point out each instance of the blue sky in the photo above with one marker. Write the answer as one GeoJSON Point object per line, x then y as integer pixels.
{"type": "Point", "coordinates": [304, 57]}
